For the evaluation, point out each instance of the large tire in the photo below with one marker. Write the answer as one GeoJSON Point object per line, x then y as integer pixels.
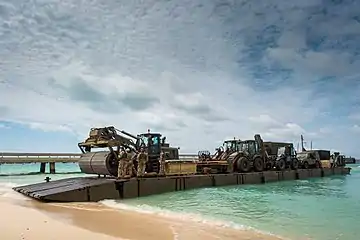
{"type": "Point", "coordinates": [243, 164]}
{"type": "Point", "coordinates": [281, 164]}
{"type": "Point", "coordinates": [294, 164]}
{"type": "Point", "coordinates": [305, 165]}
{"type": "Point", "coordinates": [269, 166]}
{"type": "Point", "coordinates": [258, 164]}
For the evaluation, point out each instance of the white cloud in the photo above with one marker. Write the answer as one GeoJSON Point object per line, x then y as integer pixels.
{"type": "Point", "coordinates": [356, 128]}
{"type": "Point", "coordinates": [192, 119]}
{"type": "Point", "coordinates": [166, 66]}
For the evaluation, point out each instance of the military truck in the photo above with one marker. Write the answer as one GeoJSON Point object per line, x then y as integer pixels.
{"type": "Point", "coordinates": [312, 158]}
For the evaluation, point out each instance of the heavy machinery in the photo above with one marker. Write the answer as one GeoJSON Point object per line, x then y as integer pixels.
{"type": "Point", "coordinates": [106, 162]}
{"type": "Point", "coordinates": [281, 155]}
{"type": "Point", "coordinates": [250, 155]}
{"type": "Point", "coordinates": [286, 158]}
{"type": "Point", "coordinates": [339, 160]}
{"type": "Point", "coordinates": [218, 162]}
{"type": "Point", "coordinates": [272, 148]}
{"type": "Point", "coordinates": [313, 158]}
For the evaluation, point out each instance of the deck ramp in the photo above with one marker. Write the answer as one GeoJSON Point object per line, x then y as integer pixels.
{"type": "Point", "coordinates": [66, 190]}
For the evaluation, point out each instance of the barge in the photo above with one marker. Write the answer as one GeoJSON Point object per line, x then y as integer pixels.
{"type": "Point", "coordinates": [241, 162]}
{"type": "Point", "coordinates": [93, 189]}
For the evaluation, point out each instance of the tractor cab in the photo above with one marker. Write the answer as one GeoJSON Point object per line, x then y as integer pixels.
{"type": "Point", "coordinates": [154, 144]}
{"type": "Point", "coordinates": [228, 147]}
{"type": "Point", "coordinates": [151, 141]}
{"type": "Point", "coordinates": [250, 147]}
{"type": "Point", "coordinates": [287, 150]}
{"type": "Point", "coordinates": [231, 145]}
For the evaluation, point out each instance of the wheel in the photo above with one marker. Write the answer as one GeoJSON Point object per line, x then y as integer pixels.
{"type": "Point", "coordinates": [243, 164]}
{"type": "Point", "coordinates": [269, 166]}
{"type": "Point", "coordinates": [306, 165]}
{"type": "Point", "coordinates": [294, 164]}
{"type": "Point", "coordinates": [258, 164]}
{"type": "Point", "coordinates": [317, 164]}
{"type": "Point", "coordinates": [281, 164]}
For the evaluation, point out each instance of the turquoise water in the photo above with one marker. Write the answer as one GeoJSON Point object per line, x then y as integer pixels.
{"type": "Point", "coordinates": [322, 209]}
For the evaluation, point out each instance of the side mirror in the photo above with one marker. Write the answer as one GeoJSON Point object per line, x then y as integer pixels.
{"type": "Point", "coordinates": [178, 148]}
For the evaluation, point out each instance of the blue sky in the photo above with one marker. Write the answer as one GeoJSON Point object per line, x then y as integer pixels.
{"type": "Point", "coordinates": [198, 71]}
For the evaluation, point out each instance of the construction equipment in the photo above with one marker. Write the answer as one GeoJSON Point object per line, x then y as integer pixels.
{"type": "Point", "coordinates": [281, 155]}
{"type": "Point", "coordinates": [286, 158]}
{"type": "Point", "coordinates": [155, 144]}
{"type": "Point", "coordinates": [228, 147]}
{"type": "Point", "coordinates": [250, 155]}
{"type": "Point", "coordinates": [272, 148]}
{"type": "Point", "coordinates": [312, 158]}
{"type": "Point", "coordinates": [341, 161]}
{"type": "Point", "coordinates": [218, 162]}
{"type": "Point", "coordinates": [247, 155]}
{"type": "Point", "coordinates": [337, 160]}
{"type": "Point", "coordinates": [106, 162]}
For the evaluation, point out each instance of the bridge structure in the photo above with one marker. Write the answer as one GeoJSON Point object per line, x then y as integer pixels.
{"type": "Point", "coordinates": [51, 159]}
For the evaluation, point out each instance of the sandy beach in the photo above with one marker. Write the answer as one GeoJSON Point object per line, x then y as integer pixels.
{"type": "Point", "coordinates": [33, 220]}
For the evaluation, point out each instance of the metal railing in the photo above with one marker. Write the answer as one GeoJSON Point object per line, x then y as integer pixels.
{"type": "Point", "coordinates": [22, 158]}
{"type": "Point", "coordinates": [15, 158]}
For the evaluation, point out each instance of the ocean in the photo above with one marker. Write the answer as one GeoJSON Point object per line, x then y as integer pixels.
{"type": "Point", "coordinates": [321, 209]}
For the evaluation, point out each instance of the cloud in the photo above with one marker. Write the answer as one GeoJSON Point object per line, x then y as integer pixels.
{"type": "Point", "coordinates": [356, 128]}
{"type": "Point", "coordinates": [197, 71]}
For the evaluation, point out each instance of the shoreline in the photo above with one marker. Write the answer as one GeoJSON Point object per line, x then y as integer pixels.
{"type": "Point", "coordinates": [35, 220]}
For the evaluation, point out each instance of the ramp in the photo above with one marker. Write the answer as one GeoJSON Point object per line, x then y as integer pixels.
{"type": "Point", "coordinates": [79, 189]}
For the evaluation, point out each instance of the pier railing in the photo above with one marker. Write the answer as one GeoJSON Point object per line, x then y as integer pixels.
{"type": "Point", "coordinates": [52, 158]}
{"type": "Point", "coordinates": [23, 158]}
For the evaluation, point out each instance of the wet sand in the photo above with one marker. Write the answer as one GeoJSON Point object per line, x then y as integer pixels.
{"type": "Point", "coordinates": [33, 220]}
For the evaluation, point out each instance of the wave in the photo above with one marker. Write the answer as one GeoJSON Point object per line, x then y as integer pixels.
{"type": "Point", "coordinates": [182, 216]}
{"type": "Point", "coordinates": [7, 192]}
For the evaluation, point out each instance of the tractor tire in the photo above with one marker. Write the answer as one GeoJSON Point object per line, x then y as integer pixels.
{"type": "Point", "coordinates": [243, 165]}
{"type": "Point", "coordinates": [281, 164]}
{"type": "Point", "coordinates": [258, 164]}
{"type": "Point", "coordinates": [268, 166]}
{"type": "Point", "coordinates": [306, 165]}
{"type": "Point", "coordinates": [294, 164]}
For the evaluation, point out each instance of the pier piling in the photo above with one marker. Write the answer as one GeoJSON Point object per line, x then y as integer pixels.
{"type": "Point", "coordinates": [42, 167]}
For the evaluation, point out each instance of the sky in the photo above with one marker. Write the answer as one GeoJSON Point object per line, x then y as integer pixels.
{"type": "Point", "coordinates": [199, 71]}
